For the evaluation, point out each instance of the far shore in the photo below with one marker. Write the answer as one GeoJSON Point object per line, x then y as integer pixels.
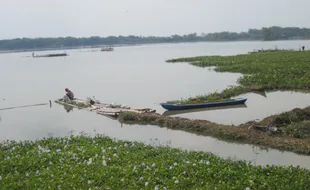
{"type": "Point", "coordinates": [134, 44]}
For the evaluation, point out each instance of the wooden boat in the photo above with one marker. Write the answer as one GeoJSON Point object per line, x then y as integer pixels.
{"type": "Point", "coordinates": [187, 111]}
{"type": "Point", "coordinates": [168, 106]}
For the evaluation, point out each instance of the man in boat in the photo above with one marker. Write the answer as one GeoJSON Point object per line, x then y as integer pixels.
{"type": "Point", "coordinates": [69, 94]}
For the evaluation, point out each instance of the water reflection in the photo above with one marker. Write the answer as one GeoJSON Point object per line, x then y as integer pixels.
{"type": "Point", "coordinates": [262, 93]}
{"type": "Point", "coordinates": [68, 108]}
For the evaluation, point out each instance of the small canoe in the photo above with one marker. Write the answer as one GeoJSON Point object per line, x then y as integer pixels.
{"type": "Point", "coordinates": [186, 111]}
{"type": "Point", "coordinates": [203, 105]}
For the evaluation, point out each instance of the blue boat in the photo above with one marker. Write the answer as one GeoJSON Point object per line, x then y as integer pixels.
{"type": "Point", "coordinates": [203, 105]}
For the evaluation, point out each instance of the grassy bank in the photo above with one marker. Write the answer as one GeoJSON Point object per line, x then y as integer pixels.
{"type": "Point", "coordinates": [293, 132]}
{"type": "Point", "coordinates": [262, 71]}
{"type": "Point", "coordinates": [102, 163]}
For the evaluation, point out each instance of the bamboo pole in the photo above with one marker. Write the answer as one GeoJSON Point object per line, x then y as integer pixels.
{"type": "Point", "coordinates": [50, 102]}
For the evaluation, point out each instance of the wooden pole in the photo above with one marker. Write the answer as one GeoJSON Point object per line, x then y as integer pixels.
{"type": "Point", "coordinates": [23, 106]}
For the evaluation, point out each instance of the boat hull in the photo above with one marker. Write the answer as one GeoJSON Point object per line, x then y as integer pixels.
{"type": "Point", "coordinates": [204, 105]}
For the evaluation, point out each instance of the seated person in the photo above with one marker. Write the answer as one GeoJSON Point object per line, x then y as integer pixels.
{"type": "Point", "coordinates": [69, 94]}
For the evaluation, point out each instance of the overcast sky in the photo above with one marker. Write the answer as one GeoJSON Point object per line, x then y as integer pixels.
{"type": "Point", "coordinates": [53, 18]}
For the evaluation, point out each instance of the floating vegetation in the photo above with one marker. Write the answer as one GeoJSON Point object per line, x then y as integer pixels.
{"type": "Point", "coordinates": [81, 162]}
{"type": "Point", "coordinates": [262, 71]}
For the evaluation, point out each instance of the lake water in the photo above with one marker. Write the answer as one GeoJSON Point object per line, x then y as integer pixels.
{"type": "Point", "coordinates": [140, 77]}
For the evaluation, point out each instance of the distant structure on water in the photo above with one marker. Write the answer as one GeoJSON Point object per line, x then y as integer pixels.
{"type": "Point", "coordinates": [107, 49]}
{"type": "Point", "coordinates": [50, 55]}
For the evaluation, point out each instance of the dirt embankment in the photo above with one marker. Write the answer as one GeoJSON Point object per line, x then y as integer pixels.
{"type": "Point", "coordinates": [290, 130]}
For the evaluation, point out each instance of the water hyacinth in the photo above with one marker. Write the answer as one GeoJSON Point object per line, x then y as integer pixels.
{"type": "Point", "coordinates": [136, 167]}
{"type": "Point", "coordinates": [90, 161]}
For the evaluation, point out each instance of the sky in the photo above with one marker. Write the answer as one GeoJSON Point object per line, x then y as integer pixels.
{"type": "Point", "coordinates": [85, 18]}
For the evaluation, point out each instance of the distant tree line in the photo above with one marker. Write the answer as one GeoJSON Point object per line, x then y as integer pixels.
{"type": "Point", "coordinates": [266, 34]}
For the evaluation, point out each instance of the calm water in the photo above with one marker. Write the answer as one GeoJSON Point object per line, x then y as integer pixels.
{"type": "Point", "coordinates": [140, 77]}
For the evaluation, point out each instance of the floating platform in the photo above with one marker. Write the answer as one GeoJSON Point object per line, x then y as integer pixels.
{"type": "Point", "coordinates": [109, 110]}
{"type": "Point", "coordinates": [51, 55]}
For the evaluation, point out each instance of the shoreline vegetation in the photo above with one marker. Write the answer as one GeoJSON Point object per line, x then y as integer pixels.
{"type": "Point", "coordinates": [99, 162]}
{"type": "Point", "coordinates": [272, 33]}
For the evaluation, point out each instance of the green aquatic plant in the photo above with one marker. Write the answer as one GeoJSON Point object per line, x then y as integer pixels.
{"type": "Point", "coordinates": [81, 162]}
{"type": "Point", "coordinates": [261, 71]}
